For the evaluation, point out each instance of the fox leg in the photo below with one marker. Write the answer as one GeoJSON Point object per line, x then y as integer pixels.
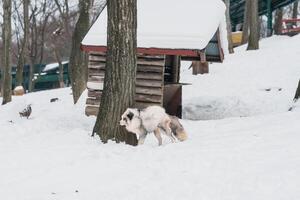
{"type": "Point", "coordinates": [171, 136]}
{"type": "Point", "coordinates": [158, 136]}
{"type": "Point", "coordinates": [167, 129]}
{"type": "Point", "coordinates": [142, 138]}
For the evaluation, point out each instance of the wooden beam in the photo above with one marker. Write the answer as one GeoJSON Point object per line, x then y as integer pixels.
{"type": "Point", "coordinates": [148, 83]}
{"type": "Point", "coordinates": [149, 76]}
{"type": "Point", "coordinates": [148, 98]}
{"type": "Point", "coordinates": [93, 102]}
{"type": "Point", "coordinates": [94, 94]}
{"type": "Point", "coordinates": [151, 51]}
{"type": "Point", "coordinates": [142, 105]}
{"type": "Point", "coordinates": [91, 110]}
{"type": "Point", "coordinates": [146, 68]}
{"type": "Point", "coordinates": [147, 90]}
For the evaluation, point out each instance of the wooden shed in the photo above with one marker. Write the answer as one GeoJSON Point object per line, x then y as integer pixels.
{"type": "Point", "coordinates": [165, 36]}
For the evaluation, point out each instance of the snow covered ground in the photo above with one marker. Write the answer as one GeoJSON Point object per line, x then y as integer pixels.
{"type": "Point", "coordinates": [248, 83]}
{"type": "Point", "coordinates": [249, 149]}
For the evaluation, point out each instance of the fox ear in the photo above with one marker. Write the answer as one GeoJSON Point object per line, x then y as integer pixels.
{"type": "Point", "coordinates": [130, 115]}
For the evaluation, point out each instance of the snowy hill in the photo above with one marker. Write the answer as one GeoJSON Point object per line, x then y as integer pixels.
{"type": "Point", "coordinates": [251, 152]}
{"type": "Point", "coordinates": [247, 83]}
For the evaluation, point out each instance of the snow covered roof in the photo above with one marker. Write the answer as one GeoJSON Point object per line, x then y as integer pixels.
{"type": "Point", "coordinates": [53, 66]}
{"type": "Point", "coordinates": [168, 24]}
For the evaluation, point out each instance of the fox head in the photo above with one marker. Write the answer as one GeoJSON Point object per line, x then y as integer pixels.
{"type": "Point", "coordinates": [130, 119]}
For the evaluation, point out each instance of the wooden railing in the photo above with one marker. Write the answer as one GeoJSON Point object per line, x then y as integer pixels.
{"type": "Point", "coordinates": [290, 26]}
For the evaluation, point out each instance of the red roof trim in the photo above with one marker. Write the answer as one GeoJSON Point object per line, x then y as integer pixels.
{"type": "Point", "coordinates": [151, 51]}
{"type": "Point", "coordinates": [291, 20]}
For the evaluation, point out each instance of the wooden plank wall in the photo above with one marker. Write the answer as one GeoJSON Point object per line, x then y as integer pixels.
{"type": "Point", "coordinates": [149, 81]}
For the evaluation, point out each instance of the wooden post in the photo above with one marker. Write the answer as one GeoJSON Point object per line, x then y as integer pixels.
{"type": "Point", "coordinates": [173, 99]}
{"type": "Point", "coordinates": [200, 68]}
{"type": "Point", "coordinates": [176, 69]}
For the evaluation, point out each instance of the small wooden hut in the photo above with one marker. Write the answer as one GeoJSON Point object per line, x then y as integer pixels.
{"type": "Point", "coordinates": [168, 31]}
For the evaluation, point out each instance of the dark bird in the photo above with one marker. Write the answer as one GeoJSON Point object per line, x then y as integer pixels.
{"type": "Point", "coordinates": [53, 100]}
{"type": "Point", "coordinates": [26, 112]}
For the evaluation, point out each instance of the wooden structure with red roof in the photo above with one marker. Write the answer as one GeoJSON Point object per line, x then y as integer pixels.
{"type": "Point", "coordinates": [164, 39]}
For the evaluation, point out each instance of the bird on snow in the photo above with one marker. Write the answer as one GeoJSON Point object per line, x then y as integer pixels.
{"type": "Point", "coordinates": [26, 112]}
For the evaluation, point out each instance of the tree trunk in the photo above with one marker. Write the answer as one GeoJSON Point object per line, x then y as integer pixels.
{"type": "Point", "coordinates": [295, 9]}
{"type": "Point", "coordinates": [120, 74]}
{"type": "Point", "coordinates": [33, 51]}
{"type": "Point", "coordinates": [278, 21]}
{"type": "Point", "coordinates": [245, 35]}
{"type": "Point", "coordinates": [78, 60]}
{"type": "Point", "coordinates": [228, 23]}
{"type": "Point", "coordinates": [31, 75]}
{"type": "Point", "coordinates": [1, 65]}
{"type": "Point", "coordinates": [20, 66]}
{"type": "Point", "coordinates": [297, 95]}
{"type": "Point", "coordinates": [63, 9]}
{"type": "Point", "coordinates": [23, 53]}
{"type": "Point", "coordinates": [44, 24]}
{"type": "Point", "coordinates": [6, 54]}
{"type": "Point", "coordinates": [253, 43]}
{"type": "Point", "coordinates": [61, 67]}
{"type": "Point", "coordinates": [61, 75]}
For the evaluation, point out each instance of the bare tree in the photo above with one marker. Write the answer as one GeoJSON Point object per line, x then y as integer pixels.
{"type": "Point", "coordinates": [7, 7]}
{"type": "Point", "coordinates": [295, 9]}
{"type": "Point", "coordinates": [120, 73]}
{"type": "Point", "coordinates": [60, 66]}
{"type": "Point", "coordinates": [33, 47]}
{"type": "Point", "coordinates": [40, 11]}
{"type": "Point", "coordinates": [56, 51]}
{"type": "Point", "coordinates": [58, 21]}
{"type": "Point", "coordinates": [228, 23]}
{"type": "Point", "coordinates": [63, 8]}
{"type": "Point", "coordinates": [23, 53]}
{"type": "Point", "coordinates": [40, 28]}
{"type": "Point", "coordinates": [78, 60]}
{"type": "Point", "coordinates": [1, 58]}
{"type": "Point", "coordinates": [245, 35]}
{"type": "Point", "coordinates": [253, 43]}
{"type": "Point", "coordinates": [278, 21]}
{"type": "Point", "coordinates": [63, 34]}
{"type": "Point", "coordinates": [47, 10]}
